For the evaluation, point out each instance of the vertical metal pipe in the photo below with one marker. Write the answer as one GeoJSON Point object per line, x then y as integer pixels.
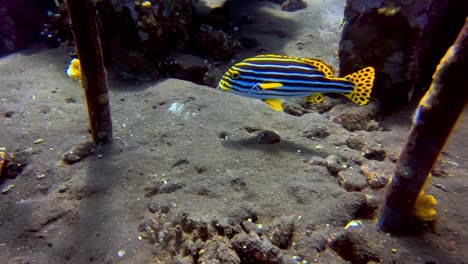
{"type": "Point", "coordinates": [435, 117]}
{"type": "Point", "coordinates": [85, 31]}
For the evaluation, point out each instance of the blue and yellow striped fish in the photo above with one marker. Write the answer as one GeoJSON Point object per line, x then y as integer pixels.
{"type": "Point", "coordinates": [274, 77]}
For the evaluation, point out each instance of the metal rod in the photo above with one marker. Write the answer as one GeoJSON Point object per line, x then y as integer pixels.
{"type": "Point", "coordinates": [85, 31]}
{"type": "Point", "coordinates": [435, 117]}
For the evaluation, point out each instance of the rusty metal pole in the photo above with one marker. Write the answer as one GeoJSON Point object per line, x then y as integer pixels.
{"type": "Point", "coordinates": [88, 45]}
{"type": "Point", "coordinates": [435, 117]}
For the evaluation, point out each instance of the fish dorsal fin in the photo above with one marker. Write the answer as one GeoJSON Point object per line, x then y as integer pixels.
{"type": "Point", "coordinates": [268, 86]}
{"type": "Point", "coordinates": [318, 64]}
{"type": "Point", "coordinates": [321, 66]}
{"type": "Point", "coordinates": [275, 104]}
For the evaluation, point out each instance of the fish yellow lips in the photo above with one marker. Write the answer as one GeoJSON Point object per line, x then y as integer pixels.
{"type": "Point", "coordinates": [223, 86]}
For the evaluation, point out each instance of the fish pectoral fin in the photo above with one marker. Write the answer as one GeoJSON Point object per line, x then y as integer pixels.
{"type": "Point", "coordinates": [267, 86]}
{"type": "Point", "coordinates": [315, 98]}
{"type": "Point", "coordinates": [276, 104]}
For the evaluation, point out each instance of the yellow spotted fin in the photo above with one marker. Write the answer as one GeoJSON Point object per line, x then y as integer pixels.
{"type": "Point", "coordinates": [363, 81]}
{"type": "Point", "coordinates": [315, 98]}
{"type": "Point", "coordinates": [275, 104]}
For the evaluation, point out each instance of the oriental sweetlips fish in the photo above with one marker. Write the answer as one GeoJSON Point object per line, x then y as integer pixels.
{"type": "Point", "coordinates": [274, 77]}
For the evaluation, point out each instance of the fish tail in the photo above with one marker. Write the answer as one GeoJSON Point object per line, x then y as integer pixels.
{"type": "Point", "coordinates": [363, 81]}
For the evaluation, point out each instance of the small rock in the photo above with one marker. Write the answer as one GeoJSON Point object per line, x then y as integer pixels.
{"type": "Point", "coordinates": [215, 44]}
{"type": "Point", "coordinates": [78, 152]}
{"type": "Point", "coordinates": [334, 164]}
{"type": "Point", "coordinates": [317, 161]}
{"type": "Point", "coordinates": [323, 107]}
{"type": "Point", "coordinates": [183, 260]}
{"type": "Point", "coordinates": [374, 152]}
{"type": "Point", "coordinates": [355, 244]}
{"type": "Point", "coordinates": [249, 226]}
{"type": "Point", "coordinates": [218, 250]}
{"type": "Point", "coordinates": [158, 188]}
{"type": "Point", "coordinates": [352, 180]}
{"type": "Point", "coordinates": [185, 67]}
{"type": "Point", "coordinates": [63, 188]}
{"type": "Point", "coordinates": [9, 114]}
{"type": "Point", "coordinates": [7, 189]}
{"type": "Point", "coordinates": [254, 249]}
{"type": "Point", "coordinates": [378, 173]}
{"type": "Point", "coordinates": [369, 209]}
{"type": "Point", "coordinates": [241, 212]}
{"type": "Point", "coordinates": [356, 141]}
{"type": "Point", "coordinates": [268, 137]}
{"type": "Point", "coordinates": [293, 5]}
{"type": "Point", "coordinates": [354, 118]}
{"type": "Point", "coordinates": [293, 108]}
{"type": "Point", "coordinates": [316, 131]}
{"type": "Point", "coordinates": [159, 205]}
{"type": "Point", "coordinates": [44, 109]}
{"type": "Point", "coordinates": [70, 100]}
{"type": "Point", "coordinates": [281, 233]}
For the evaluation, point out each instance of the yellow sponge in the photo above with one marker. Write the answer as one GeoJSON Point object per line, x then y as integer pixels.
{"type": "Point", "coordinates": [74, 70]}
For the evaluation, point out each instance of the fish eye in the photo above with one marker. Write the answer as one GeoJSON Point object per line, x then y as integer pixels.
{"type": "Point", "coordinates": [235, 75]}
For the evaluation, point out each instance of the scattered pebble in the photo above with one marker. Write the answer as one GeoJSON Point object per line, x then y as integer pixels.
{"type": "Point", "coordinates": [40, 176]}
{"type": "Point", "coordinates": [9, 114]}
{"type": "Point", "coordinates": [316, 131]}
{"type": "Point", "coordinates": [352, 180]}
{"type": "Point", "coordinates": [354, 244]}
{"type": "Point", "coordinates": [334, 164]}
{"type": "Point", "coordinates": [78, 152]}
{"type": "Point", "coordinates": [281, 233]}
{"type": "Point", "coordinates": [7, 189]}
{"type": "Point", "coordinates": [378, 173]}
{"type": "Point", "coordinates": [374, 152]}
{"type": "Point", "coordinates": [356, 141]}
{"type": "Point", "coordinates": [268, 137]}
{"type": "Point", "coordinates": [121, 253]}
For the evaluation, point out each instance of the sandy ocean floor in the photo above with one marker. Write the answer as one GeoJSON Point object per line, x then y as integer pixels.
{"type": "Point", "coordinates": [186, 178]}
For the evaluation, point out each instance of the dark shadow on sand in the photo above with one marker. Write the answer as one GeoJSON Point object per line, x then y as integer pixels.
{"type": "Point", "coordinates": [273, 149]}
